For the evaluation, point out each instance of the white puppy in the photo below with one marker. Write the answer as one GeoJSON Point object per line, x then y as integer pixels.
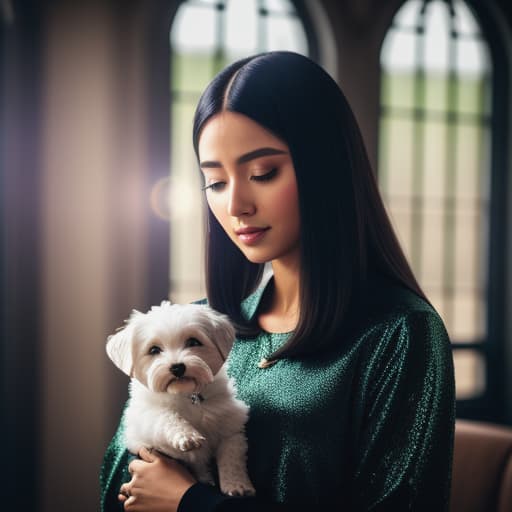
{"type": "Point", "coordinates": [182, 402]}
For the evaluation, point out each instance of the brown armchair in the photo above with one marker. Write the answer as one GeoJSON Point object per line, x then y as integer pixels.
{"type": "Point", "coordinates": [482, 468]}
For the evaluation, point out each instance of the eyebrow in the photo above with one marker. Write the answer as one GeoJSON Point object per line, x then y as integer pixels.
{"type": "Point", "coordinates": [247, 157]}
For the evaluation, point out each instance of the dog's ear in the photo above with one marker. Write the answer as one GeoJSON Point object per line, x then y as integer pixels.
{"type": "Point", "coordinates": [119, 346]}
{"type": "Point", "coordinates": [223, 334]}
{"type": "Point", "coordinates": [119, 349]}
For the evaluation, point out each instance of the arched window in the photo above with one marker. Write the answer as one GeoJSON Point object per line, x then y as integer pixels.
{"type": "Point", "coordinates": [435, 168]}
{"type": "Point", "coordinates": [207, 35]}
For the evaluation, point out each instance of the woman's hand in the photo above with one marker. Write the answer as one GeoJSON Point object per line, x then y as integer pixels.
{"type": "Point", "coordinates": [158, 483]}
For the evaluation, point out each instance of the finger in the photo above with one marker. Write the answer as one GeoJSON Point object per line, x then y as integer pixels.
{"type": "Point", "coordinates": [128, 502]}
{"type": "Point", "coordinates": [147, 455]}
{"type": "Point", "coordinates": [124, 493]}
{"type": "Point", "coordinates": [136, 466]}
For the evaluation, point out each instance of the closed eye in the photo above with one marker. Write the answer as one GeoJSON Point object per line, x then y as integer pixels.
{"type": "Point", "coordinates": [193, 342]}
{"type": "Point", "coordinates": [219, 185]}
{"type": "Point", "coordinates": [215, 187]}
{"type": "Point", "coordinates": [154, 350]}
{"type": "Point", "coordinates": [265, 177]}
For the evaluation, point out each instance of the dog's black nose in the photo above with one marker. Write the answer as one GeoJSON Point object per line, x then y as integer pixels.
{"type": "Point", "coordinates": [178, 370]}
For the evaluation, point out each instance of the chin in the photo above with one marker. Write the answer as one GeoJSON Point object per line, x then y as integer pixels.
{"type": "Point", "coordinates": [256, 255]}
{"type": "Point", "coordinates": [256, 260]}
{"type": "Point", "coordinates": [184, 385]}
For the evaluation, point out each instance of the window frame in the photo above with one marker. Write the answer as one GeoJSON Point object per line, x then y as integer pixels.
{"type": "Point", "coordinates": [491, 405]}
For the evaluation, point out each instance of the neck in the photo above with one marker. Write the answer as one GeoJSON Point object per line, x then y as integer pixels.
{"type": "Point", "coordinates": [281, 312]}
{"type": "Point", "coordinates": [285, 299]}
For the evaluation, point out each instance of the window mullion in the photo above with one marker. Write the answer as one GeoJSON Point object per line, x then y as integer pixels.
{"type": "Point", "coordinates": [418, 153]}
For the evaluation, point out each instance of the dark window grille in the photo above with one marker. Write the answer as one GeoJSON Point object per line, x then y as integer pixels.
{"type": "Point", "coordinates": [435, 167]}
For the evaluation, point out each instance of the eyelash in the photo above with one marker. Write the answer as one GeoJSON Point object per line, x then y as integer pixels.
{"type": "Point", "coordinates": [214, 187]}
{"type": "Point", "coordinates": [266, 177]}
{"type": "Point", "coordinates": [217, 186]}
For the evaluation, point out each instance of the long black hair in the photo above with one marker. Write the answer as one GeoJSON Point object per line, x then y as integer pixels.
{"type": "Point", "coordinates": [345, 233]}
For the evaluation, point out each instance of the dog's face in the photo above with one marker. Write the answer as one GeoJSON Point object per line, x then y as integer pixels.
{"type": "Point", "coordinates": [173, 348]}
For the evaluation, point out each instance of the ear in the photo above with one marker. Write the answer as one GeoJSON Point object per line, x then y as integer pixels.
{"type": "Point", "coordinates": [223, 333]}
{"type": "Point", "coordinates": [119, 346]}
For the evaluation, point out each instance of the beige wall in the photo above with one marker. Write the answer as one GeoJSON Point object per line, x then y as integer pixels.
{"type": "Point", "coordinates": [94, 243]}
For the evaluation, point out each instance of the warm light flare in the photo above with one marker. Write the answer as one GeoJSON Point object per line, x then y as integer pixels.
{"type": "Point", "coordinates": [172, 199]}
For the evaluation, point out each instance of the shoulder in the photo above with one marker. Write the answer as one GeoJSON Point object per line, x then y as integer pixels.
{"type": "Point", "coordinates": [408, 334]}
{"type": "Point", "coordinates": [393, 318]}
{"type": "Point", "coordinates": [386, 302]}
{"type": "Point", "coordinates": [404, 343]}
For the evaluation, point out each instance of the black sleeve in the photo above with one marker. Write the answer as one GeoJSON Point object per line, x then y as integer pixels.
{"type": "Point", "coordinates": [206, 498]}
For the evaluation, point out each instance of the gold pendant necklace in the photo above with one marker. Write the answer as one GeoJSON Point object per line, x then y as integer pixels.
{"type": "Point", "coordinates": [266, 363]}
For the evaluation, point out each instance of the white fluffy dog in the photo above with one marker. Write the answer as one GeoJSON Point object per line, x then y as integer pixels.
{"type": "Point", "coordinates": [182, 402]}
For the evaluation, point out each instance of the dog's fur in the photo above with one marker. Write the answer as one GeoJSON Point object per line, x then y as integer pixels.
{"type": "Point", "coordinates": [182, 402]}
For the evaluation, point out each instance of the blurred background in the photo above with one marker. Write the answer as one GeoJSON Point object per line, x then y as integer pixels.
{"type": "Point", "coordinates": [101, 207]}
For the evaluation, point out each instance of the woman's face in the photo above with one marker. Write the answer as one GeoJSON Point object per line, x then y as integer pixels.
{"type": "Point", "coordinates": [251, 187]}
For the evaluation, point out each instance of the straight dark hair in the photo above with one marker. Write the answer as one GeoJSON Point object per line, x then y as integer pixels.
{"type": "Point", "coordinates": [345, 233]}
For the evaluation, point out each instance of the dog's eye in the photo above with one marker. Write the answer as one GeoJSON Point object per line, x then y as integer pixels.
{"type": "Point", "coordinates": [193, 342]}
{"type": "Point", "coordinates": [154, 350]}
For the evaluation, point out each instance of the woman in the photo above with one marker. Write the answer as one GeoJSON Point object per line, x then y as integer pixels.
{"type": "Point", "coordinates": [345, 365]}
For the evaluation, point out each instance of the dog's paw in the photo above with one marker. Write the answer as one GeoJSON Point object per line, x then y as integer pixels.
{"type": "Point", "coordinates": [206, 478]}
{"type": "Point", "coordinates": [238, 488]}
{"type": "Point", "coordinates": [185, 442]}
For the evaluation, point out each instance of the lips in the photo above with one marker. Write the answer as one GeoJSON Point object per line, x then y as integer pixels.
{"type": "Point", "coordinates": [251, 235]}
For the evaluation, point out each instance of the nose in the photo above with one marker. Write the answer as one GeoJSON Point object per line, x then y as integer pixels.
{"type": "Point", "coordinates": [178, 370]}
{"type": "Point", "coordinates": [240, 201]}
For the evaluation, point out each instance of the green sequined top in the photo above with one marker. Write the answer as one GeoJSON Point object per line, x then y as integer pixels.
{"type": "Point", "coordinates": [368, 426]}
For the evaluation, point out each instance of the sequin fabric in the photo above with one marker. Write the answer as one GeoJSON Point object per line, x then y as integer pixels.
{"type": "Point", "coordinates": [368, 426]}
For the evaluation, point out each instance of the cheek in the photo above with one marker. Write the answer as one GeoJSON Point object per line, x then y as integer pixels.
{"type": "Point", "coordinates": [140, 372]}
{"type": "Point", "coordinates": [285, 202]}
{"type": "Point", "coordinates": [218, 208]}
{"type": "Point", "coordinates": [210, 355]}
{"type": "Point", "coordinates": [216, 364]}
